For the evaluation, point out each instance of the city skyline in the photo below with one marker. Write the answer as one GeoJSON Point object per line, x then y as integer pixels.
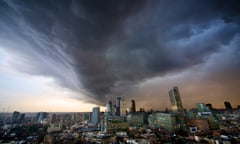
{"type": "Point", "coordinates": [76, 55]}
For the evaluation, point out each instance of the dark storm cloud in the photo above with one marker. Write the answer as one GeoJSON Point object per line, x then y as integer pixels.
{"type": "Point", "coordinates": [107, 47]}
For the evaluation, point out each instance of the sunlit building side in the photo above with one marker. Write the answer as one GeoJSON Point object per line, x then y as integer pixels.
{"type": "Point", "coordinates": [177, 106]}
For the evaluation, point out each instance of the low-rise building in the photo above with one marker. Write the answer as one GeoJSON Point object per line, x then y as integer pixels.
{"type": "Point", "coordinates": [114, 123]}
{"type": "Point", "coordinates": [163, 120]}
{"type": "Point", "coordinates": [137, 118]}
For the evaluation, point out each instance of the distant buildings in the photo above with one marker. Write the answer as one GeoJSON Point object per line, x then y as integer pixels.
{"type": "Point", "coordinates": [86, 116]}
{"type": "Point", "coordinates": [205, 114]}
{"type": "Point", "coordinates": [114, 110]}
{"type": "Point", "coordinates": [52, 117]}
{"type": "Point", "coordinates": [15, 116]}
{"type": "Point", "coordinates": [112, 120]}
{"type": "Point", "coordinates": [209, 106]}
{"type": "Point", "coordinates": [22, 117]}
{"type": "Point", "coordinates": [200, 124]}
{"type": "Point", "coordinates": [53, 128]}
{"type": "Point", "coordinates": [203, 109]}
{"type": "Point", "coordinates": [41, 116]}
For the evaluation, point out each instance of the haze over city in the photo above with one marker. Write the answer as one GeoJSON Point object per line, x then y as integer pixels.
{"type": "Point", "coordinates": [69, 55]}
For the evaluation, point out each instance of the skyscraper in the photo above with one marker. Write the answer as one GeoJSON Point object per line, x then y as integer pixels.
{"type": "Point", "coordinates": [118, 104]}
{"type": "Point", "coordinates": [109, 109]}
{"type": "Point", "coordinates": [176, 101]}
{"type": "Point", "coordinates": [177, 107]}
{"type": "Point", "coordinates": [95, 115]}
{"type": "Point", "coordinates": [133, 106]}
{"type": "Point", "coordinates": [228, 105]}
{"type": "Point", "coordinates": [123, 107]}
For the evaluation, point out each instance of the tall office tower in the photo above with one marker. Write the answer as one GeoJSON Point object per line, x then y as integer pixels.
{"type": "Point", "coordinates": [95, 115]}
{"type": "Point", "coordinates": [228, 105]}
{"type": "Point", "coordinates": [109, 108]}
{"type": "Point", "coordinates": [176, 101]}
{"type": "Point", "coordinates": [15, 116]}
{"type": "Point", "coordinates": [123, 107]}
{"type": "Point", "coordinates": [177, 106]}
{"type": "Point", "coordinates": [133, 107]}
{"type": "Point", "coordinates": [118, 104]}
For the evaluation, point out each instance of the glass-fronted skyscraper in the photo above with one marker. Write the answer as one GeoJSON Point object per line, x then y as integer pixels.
{"type": "Point", "coordinates": [177, 106]}
{"type": "Point", "coordinates": [95, 115]}
{"type": "Point", "coordinates": [176, 102]}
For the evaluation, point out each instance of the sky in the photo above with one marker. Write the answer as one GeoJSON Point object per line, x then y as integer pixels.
{"type": "Point", "coordinates": [72, 55]}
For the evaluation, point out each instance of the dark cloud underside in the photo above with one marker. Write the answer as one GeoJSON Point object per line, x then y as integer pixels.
{"type": "Point", "coordinates": [106, 47]}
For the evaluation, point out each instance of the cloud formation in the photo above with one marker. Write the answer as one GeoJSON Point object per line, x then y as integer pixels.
{"type": "Point", "coordinates": [103, 48]}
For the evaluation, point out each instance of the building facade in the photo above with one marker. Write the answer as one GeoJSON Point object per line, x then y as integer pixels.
{"type": "Point", "coordinates": [177, 106]}
{"type": "Point", "coordinates": [95, 115]}
{"type": "Point", "coordinates": [163, 120]}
